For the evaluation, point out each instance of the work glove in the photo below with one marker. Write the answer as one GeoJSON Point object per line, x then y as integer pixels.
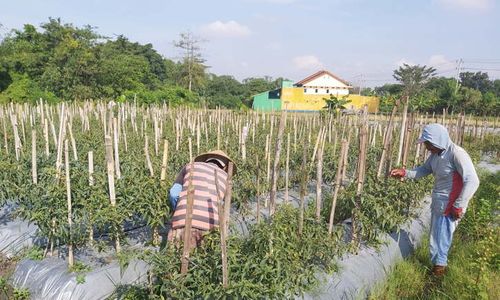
{"type": "Point", "coordinates": [398, 173]}
{"type": "Point", "coordinates": [456, 213]}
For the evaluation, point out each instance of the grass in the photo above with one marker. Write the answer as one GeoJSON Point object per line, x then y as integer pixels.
{"type": "Point", "coordinates": [474, 260]}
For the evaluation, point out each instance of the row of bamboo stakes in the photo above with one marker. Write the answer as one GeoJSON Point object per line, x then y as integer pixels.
{"type": "Point", "coordinates": [205, 122]}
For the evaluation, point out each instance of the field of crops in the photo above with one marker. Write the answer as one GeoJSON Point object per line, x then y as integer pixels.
{"type": "Point", "coordinates": [86, 172]}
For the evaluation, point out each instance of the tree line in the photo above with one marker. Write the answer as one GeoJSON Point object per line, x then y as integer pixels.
{"type": "Point", "coordinates": [472, 92]}
{"type": "Point", "coordinates": [62, 62]}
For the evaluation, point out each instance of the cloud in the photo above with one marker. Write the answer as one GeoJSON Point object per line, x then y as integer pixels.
{"type": "Point", "coordinates": [230, 29]}
{"type": "Point", "coordinates": [403, 61]}
{"type": "Point", "coordinates": [307, 62]}
{"type": "Point", "coordinates": [439, 60]}
{"type": "Point", "coordinates": [478, 5]}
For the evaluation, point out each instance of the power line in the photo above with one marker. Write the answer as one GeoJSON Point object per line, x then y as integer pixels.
{"type": "Point", "coordinates": [481, 69]}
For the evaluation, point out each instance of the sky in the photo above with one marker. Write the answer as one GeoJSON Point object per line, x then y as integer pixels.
{"type": "Point", "coordinates": [361, 41]}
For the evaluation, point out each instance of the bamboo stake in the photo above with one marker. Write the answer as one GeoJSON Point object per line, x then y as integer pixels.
{"type": "Point", "coordinates": [403, 130]}
{"type": "Point", "coordinates": [338, 180]}
{"type": "Point", "coordinates": [68, 195]}
{"type": "Point", "coordinates": [110, 166]}
{"type": "Point", "coordinates": [268, 159]}
{"type": "Point", "coordinates": [163, 175]}
{"type": "Point", "coordinates": [91, 183]}
{"type": "Point", "coordinates": [387, 139]}
{"type": "Point", "coordinates": [46, 137]}
{"type": "Point", "coordinates": [6, 141]}
{"type": "Point", "coordinates": [115, 147]}
{"type": "Point", "coordinates": [319, 177]}
{"type": "Point", "coordinates": [223, 234]}
{"type": "Point", "coordinates": [257, 188]}
{"type": "Point", "coordinates": [287, 168]}
{"type": "Point", "coordinates": [363, 142]}
{"type": "Point", "coordinates": [61, 137]}
{"type": "Point", "coordinates": [33, 157]}
{"type": "Point", "coordinates": [275, 173]}
{"type": "Point", "coordinates": [188, 222]}
{"type": "Point", "coordinates": [303, 189]}
{"type": "Point", "coordinates": [148, 159]}
{"type": "Point", "coordinates": [190, 149]}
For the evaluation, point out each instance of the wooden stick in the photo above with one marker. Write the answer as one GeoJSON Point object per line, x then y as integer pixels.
{"type": "Point", "coordinates": [338, 180]}
{"type": "Point", "coordinates": [223, 233]}
{"type": "Point", "coordinates": [148, 159]}
{"type": "Point", "coordinates": [73, 142]}
{"type": "Point", "coordinates": [303, 189]}
{"type": "Point", "coordinates": [257, 196]}
{"type": "Point", "coordinates": [228, 195]}
{"type": "Point", "coordinates": [110, 166]}
{"type": "Point", "coordinates": [46, 137]}
{"type": "Point", "coordinates": [287, 168]}
{"type": "Point", "coordinates": [33, 157]}
{"type": "Point", "coordinates": [163, 175]}
{"type": "Point", "coordinates": [115, 147]}
{"type": "Point", "coordinates": [319, 177]}
{"type": "Point", "coordinates": [387, 139]}
{"type": "Point", "coordinates": [68, 195]}
{"type": "Point", "coordinates": [363, 142]}
{"type": "Point", "coordinates": [91, 183]}
{"type": "Point", "coordinates": [188, 222]}
{"type": "Point", "coordinates": [61, 137]}
{"type": "Point", "coordinates": [275, 173]}
{"type": "Point", "coordinates": [5, 138]}
{"type": "Point", "coordinates": [403, 130]}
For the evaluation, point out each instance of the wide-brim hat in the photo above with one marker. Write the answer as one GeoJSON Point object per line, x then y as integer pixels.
{"type": "Point", "coordinates": [218, 154]}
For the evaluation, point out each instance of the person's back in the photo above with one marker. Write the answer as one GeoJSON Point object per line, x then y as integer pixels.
{"type": "Point", "coordinates": [205, 204]}
{"type": "Point", "coordinates": [208, 178]}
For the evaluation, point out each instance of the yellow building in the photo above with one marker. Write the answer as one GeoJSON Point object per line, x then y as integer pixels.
{"type": "Point", "coordinates": [310, 93]}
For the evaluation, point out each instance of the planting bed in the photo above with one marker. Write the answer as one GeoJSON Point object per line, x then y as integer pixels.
{"type": "Point", "coordinates": [87, 184]}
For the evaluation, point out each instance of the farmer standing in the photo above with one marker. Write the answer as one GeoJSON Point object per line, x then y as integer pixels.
{"type": "Point", "coordinates": [455, 183]}
{"type": "Point", "coordinates": [206, 167]}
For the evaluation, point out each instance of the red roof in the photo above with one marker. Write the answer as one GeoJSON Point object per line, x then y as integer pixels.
{"type": "Point", "coordinates": [318, 74]}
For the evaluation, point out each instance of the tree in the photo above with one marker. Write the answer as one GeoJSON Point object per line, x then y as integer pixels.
{"type": "Point", "coordinates": [470, 99]}
{"type": "Point", "coordinates": [334, 104]}
{"type": "Point", "coordinates": [253, 86]}
{"type": "Point", "coordinates": [413, 78]}
{"type": "Point", "coordinates": [479, 81]}
{"type": "Point", "coordinates": [192, 61]}
{"type": "Point", "coordinates": [445, 93]}
{"type": "Point", "coordinates": [223, 91]}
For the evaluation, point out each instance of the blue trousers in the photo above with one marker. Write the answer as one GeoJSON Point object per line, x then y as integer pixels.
{"type": "Point", "coordinates": [441, 235]}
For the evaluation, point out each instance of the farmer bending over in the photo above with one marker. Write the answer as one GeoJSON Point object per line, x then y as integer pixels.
{"type": "Point", "coordinates": [205, 204]}
{"type": "Point", "coordinates": [455, 183]}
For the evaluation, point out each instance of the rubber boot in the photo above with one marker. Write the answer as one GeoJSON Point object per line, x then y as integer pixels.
{"type": "Point", "coordinates": [438, 270]}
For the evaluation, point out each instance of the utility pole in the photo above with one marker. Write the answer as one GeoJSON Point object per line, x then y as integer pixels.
{"type": "Point", "coordinates": [459, 68]}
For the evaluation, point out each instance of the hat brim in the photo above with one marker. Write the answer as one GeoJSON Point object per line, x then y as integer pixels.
{"type": "Point", "coordinates": [204, 157]}
{"type": "Point", "coordinates": [421, 140]}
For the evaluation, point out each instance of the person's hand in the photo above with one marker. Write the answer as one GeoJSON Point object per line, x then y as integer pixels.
{"type": "Point", "coordinates": [456, 213]}
{"type": "Point", "coordinates": [398, 173]}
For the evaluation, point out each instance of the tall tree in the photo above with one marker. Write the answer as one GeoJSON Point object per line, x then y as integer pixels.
{"type": "Point", "coordinates": [192, 60]}
{"type": "Point", "coordinates": [413, 78]}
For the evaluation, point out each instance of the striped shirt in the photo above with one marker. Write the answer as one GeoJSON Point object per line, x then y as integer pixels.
{"type": "Point", "coordinates": [205, 204]}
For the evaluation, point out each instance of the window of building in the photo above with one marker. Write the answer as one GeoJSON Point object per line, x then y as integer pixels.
{"type": "Point", "coordinates": [305, 90]}
{"type": "Point", "coordinates": [316, 91]}
{"type": "Point", "coordinates": [327, 91]}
